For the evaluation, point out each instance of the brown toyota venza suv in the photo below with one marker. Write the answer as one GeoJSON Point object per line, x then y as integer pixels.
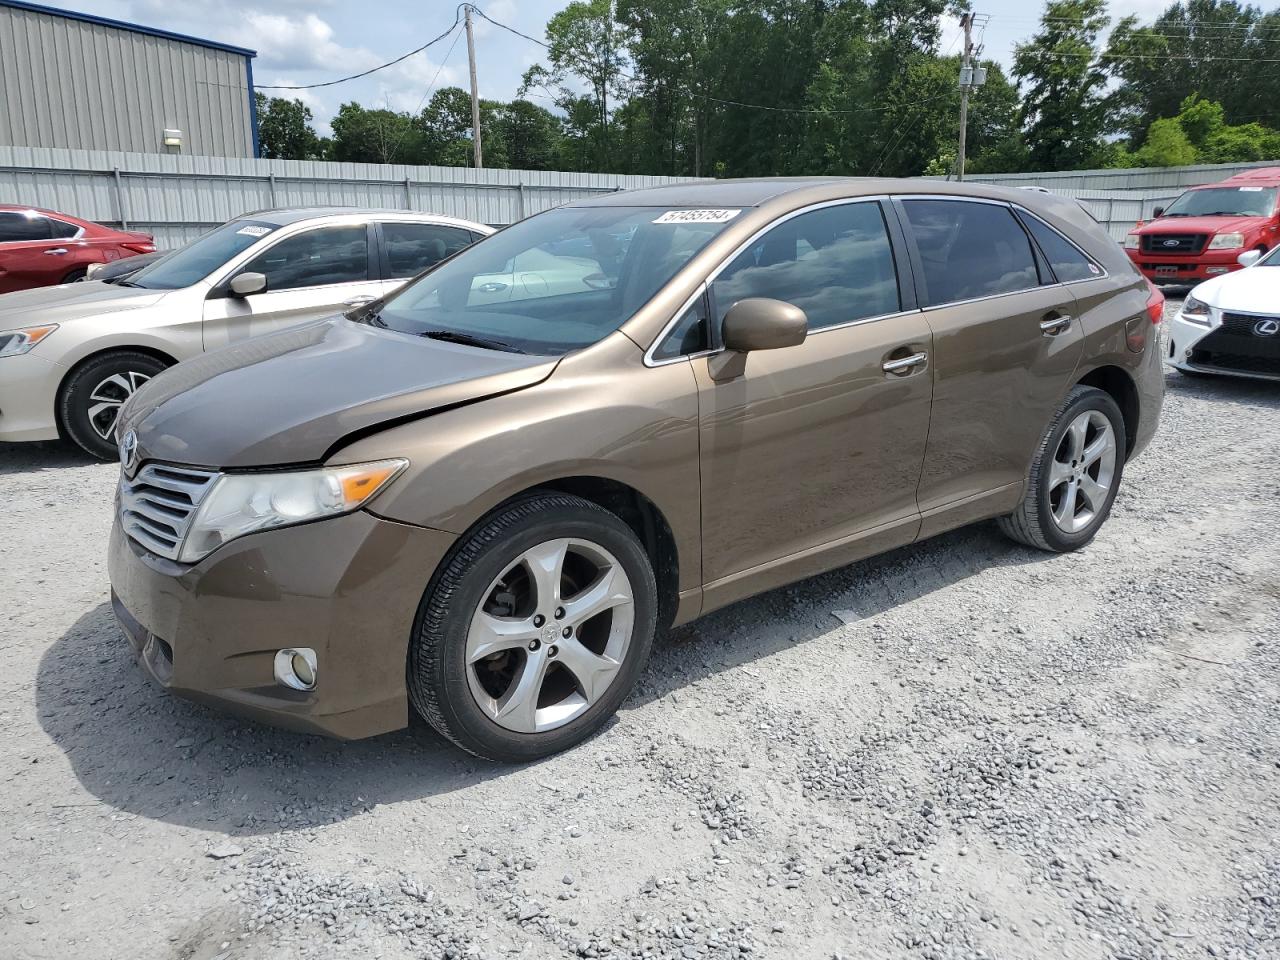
{"type": "Point", "coordinates": [482, 496]}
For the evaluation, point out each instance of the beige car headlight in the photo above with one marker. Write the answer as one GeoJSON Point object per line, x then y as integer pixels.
{"type": "Point", "coordinates": [244, 503]}
{"type": "Point", "coordinates": [1226, 241]}
{"type": "Point", "coordinates": [15, 342]}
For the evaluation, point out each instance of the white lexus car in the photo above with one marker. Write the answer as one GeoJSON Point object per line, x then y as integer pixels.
{"type": "Point", "coordinates": [71, 355]}
{"type": "Point", "coordinates": [1230, 325]}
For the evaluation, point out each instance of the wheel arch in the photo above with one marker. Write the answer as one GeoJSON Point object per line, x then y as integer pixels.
{"type": "Point", "coordinates": [638, 512]}
{"type": "Point", "coordinates": [1118, 383]}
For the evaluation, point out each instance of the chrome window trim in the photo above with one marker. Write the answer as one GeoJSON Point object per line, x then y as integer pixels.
{"type": "Point", "coordinates": [650, 361]}
{"type": "Point", "coordinates": [1102, 276]}
{"type": "Point", "coordinates": [52, 219]}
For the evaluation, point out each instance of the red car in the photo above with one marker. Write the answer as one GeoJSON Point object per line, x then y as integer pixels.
{"type": "Point", "coordinates": [1203, 233]}
{"type": "Point", "coordinates": [39, 248]}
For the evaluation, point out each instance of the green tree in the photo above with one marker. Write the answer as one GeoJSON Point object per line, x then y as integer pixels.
{"type": "Point", "coordinates": [531, 134]}
{"type": "Point", "coordinates": [376, 136]}
{"type": "Point", "coordinates": [285, 131]}
{"type": "Point", "coordinates": [1064, 107]}
{"type": "Point", "coordinates": [1166, 146]}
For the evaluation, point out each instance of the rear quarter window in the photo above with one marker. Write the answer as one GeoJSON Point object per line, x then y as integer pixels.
{"type": "Point", "coordinates": [1066, 259]}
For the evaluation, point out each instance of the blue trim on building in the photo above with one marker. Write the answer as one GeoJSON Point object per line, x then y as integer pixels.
{"type": "Point", "coordinates": [132, 28]}
{"type": "Point", "coordinates": [253, 106]}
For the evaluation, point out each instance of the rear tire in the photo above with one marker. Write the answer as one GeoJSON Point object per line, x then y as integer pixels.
{"type": "Point", "coordinates": [1074, 475]}
{"type": "Point", "coordinates": [75, 275]}
{"type": "Point", "coordinates": [534, 629]}
{"type": "Point", "coordinates": [92, 395]}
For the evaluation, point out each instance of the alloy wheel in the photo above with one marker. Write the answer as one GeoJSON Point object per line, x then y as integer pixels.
{"type": "Point", "coordinates": [109, 396]}
{"type": "Point", "coordinates": [550, 635]}
{"type": "Point", "coordinates": [1082, 472]}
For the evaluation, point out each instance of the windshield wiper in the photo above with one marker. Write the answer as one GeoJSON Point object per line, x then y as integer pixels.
{"type": "Point", "coordinates": [124, 282]}
{"type": "Point", "coordinates": [470, 340]}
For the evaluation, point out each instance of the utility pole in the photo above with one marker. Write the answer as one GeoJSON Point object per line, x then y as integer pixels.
{"type": "Point", "coordinates": [475, 93]}
{"type": "Point", "coordinates": [966, 82]}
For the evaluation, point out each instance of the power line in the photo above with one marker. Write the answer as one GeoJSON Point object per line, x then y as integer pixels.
{"type": "Point", "coordinates": [365, 73]}
{"type": "Point", "coordinates": [426, 93]}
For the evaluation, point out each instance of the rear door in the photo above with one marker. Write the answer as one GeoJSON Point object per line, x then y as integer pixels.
{"type": "Point", "coordinates": [811, 455]}
{"type": "Point", "coordinates": [1006, 342]}
{"type": "Point", "coordinates": [408, 248]}
{"type": "Point", "coordinates": [313, 273]}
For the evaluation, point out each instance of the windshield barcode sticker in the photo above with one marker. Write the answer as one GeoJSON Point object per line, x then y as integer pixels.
{"type": "Point", "coordinates": [697, 216]}
{"type": "Point", "coordinates": [252, 231]}
{"type": "Point", "coordinates": [1250, 189]}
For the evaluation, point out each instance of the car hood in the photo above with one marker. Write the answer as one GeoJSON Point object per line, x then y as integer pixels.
{"type": "Point", "coordinates": [1255, 290]}
{"type": "Point", "coordinates": [290, 397]}
{"type": "Point", "coordinates": [71, 301]}
{"type": "Point", "coordinates": [1167, 225]}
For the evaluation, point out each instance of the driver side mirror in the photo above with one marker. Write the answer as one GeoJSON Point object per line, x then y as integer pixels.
{"type": "Point", "coordinates": [1249, 258]}
{"type": "Point", "coordinates": [1157, 212]}
{"type": "Point", "coordinates": [758, 323]}
{"type": "Point", "coordinates": [247, 284]}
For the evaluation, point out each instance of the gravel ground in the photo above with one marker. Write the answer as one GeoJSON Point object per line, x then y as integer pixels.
{"type": "Point", "coordinates": [963, 749]}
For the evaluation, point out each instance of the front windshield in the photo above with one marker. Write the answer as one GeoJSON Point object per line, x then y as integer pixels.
{"type": "Point", "coordinates": [1224, 202]}
{"type": "Point", "coordinates": [198, 259]}
{"type": "Point", "coordinates": [555, 282]}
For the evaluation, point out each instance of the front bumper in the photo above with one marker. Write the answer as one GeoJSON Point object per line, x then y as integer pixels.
{"type": "Point", "coordinates": [1199, 349]}
{"type": "Point", "coordinates": [1184, 269]}
{"type": "Point", "coordinates": [28, 394]}
{"type": "Point", "coordinates": [348, 587]}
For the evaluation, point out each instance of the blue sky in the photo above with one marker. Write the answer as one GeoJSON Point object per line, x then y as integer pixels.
{"type": "Point", "coordinates": [307, 41]}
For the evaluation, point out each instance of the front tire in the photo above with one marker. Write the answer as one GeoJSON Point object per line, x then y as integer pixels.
{"type": "Point", "coordinates": [534, 630]}
{"type": "Point", "coordinates": [93, 394]}
{"type": "Point", "coordinates": [1074, 476]}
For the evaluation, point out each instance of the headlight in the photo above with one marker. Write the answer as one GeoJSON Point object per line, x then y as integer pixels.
{"type": "Point", "coordinates": [1131, 241]}
{"type": "Point", "coordinates": [1197, 311]}
{"type": "Point", "coordinates": [14, 342]}
{"type": "Point", "coordinates": [242, 503]}
{"type": "Point", "coordinates": [1227, 241]}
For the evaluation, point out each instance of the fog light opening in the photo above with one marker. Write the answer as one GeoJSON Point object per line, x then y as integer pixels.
{"type": "Point", "coordinates": [296, 668]}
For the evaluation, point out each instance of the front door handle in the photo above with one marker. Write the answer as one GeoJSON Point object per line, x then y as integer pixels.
{"type": "Point", "coordinates": [55, 251]}
{"type": "Point", "coordinates": [358, 301]}
{"type": "Point", "coordinates": [904, 364]}
{"type": "Point", "coordinates": [1055, 324]}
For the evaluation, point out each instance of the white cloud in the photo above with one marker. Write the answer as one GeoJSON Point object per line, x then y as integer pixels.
{"type": "Point", "coordinates": [300, 43]}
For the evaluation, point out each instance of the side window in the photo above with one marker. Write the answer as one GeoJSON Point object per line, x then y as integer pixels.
{"type": "Point", "coordinates": [689, 335]}
{"type": "Point", "coordinates": [22, 227]}
{"type": "Point", "coordinates": [412, 247]}
{"type": "Point", "coordinates": [970, 249]}
{"type": "Point", "coordinates": [60, 229]}
{"type": "Point", "coordinates": [835, 264]}
{"type": "Point", "coordinates": [1068, 262]}
{"type": "Point", "coordinates": [315, 258]}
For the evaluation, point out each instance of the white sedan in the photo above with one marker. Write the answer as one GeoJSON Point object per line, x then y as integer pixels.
{"type": "Point", "coordinates": [1230, 325]}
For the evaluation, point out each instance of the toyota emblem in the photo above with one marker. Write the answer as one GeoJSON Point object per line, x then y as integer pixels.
{"type": "Point", "coordinates": [1267, 327]}
{"type": "Point", "coordinates": [128, 451]}
{"type": "Point", "coordinates": [1171, 243]}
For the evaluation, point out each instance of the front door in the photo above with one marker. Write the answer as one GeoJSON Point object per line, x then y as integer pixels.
{"type": "Point", "coordinates": [811, 456]}
{"type": "Point", "coordinates": [312, 274]}
{"type": "Point", "coordinates": [1006, 342]}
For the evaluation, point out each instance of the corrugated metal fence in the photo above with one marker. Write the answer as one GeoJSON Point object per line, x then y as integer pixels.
{"type": "Point", "coordinates": [176, 198]}
{"type": "Point", "coordinates": [1120, 198]}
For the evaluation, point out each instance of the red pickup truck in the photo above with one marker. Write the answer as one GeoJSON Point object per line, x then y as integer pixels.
{"type": "Point", "coordinates": [1204, 231]}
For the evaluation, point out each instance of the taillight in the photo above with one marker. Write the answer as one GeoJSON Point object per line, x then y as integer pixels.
{"type": "Point", "coordinates": [140, 247]}
{"type": "Point", "coordinates": [1155, 303]}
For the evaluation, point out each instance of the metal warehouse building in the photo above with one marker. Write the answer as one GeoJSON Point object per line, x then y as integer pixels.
{"type": "Point", "coordinates": [73, 80]}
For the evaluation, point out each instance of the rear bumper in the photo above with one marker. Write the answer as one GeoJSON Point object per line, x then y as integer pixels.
{"type": "Point", "coordinates": [347, 587]}
{"type": "Point", "coordinates": [28, 394]}
{"type": "Point", "coordinates": [1182, 269]}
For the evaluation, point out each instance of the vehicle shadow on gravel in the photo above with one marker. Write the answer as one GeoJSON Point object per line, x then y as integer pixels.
{"type": "Point", "coordinates": [151, 754]}
{"type": "Point", "coordinates": [1234, 390]}
{"type": "Point", "coordinates": [18, 458]}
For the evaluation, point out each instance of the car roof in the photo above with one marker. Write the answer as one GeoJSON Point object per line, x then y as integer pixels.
{"type": "Point", "coordinates": [284, 216]}
{"type": "Point", "coordinates": [1267, 176]}
{"type": "Point", "coordinates": [26, 207]}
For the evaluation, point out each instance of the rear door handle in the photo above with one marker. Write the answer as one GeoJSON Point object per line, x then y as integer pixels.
{"type": "Point", "coordinates": [54, 251]}
{"type": "Point", "coordinates": [904, 364]}
{"type": "Point", "coordinates": [1054, 325]}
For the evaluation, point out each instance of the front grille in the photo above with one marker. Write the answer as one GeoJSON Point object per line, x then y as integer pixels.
{"type": "Point", "coordinates": [156, 506]}
{"type": "Point", "coordinates": [1173, 243]}
{"type": "Point", "coordinates": [1235, 346]}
